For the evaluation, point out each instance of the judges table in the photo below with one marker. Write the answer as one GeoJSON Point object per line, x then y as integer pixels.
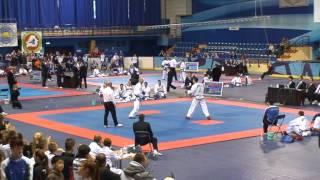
{"type": "Point", "coordinates": [285, 96]}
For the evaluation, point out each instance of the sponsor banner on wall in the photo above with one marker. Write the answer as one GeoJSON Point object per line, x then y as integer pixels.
{"type": "Point", "coordinates": [31, 41]}
{"type": "Point", "coordinates": [316, 10]}
{"type": "Point", "coordinates": [293, 3]}
{"type": "Point", "coordinates": [213, 88]}
{"type": "Point", "coordinates": [8, 35]}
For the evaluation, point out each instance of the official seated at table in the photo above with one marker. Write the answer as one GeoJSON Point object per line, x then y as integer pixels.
{"type": "Point", "coordinates": [310, 91]}
{"type": "Point", "coordinates": [316, 96]}
{"type": "Point", "coordinates": [298, 126]}
{"type": "Point", "coordinates": [302, 86]}
{"type": "Point", "coordinates": [291, 84]}
{"type": "Point", "coordinates": [142, 126]}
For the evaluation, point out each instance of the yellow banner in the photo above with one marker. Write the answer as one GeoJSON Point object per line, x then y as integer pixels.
{"type": "Point", "coordinates": [31, 41]}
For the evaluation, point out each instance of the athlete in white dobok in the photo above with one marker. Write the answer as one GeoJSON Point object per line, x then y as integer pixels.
{"type": "Point", "coordinates": [197, 91]}
{"type": "Point", "coordinates": [138, 95]}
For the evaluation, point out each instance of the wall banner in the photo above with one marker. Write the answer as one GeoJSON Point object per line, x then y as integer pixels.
{"type": "Point", "coordinates": [31, 41]}
{"type": "Point", "coordinates": [8, 35]}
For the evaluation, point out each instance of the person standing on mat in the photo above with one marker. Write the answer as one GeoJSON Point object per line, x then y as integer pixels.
{"type": "Point", "coordinates": [14, 97]}
{"type": "Point", "coordinates": [60, 73]}
{"type": "Point", "coordinates": [44, 73]}
{"type": "Point", "coordinates": [83, 74]}
{"type": "Point", "coordinates": [109, 104]}
{"type": "Point", "coordinates": [137, 92]}
{"type": "Point", "coordinates": [11, 80]}
{"type": "Point", "coordinates": [197, 91]}
{"type": "Point", "coordinates": [173, 65]}
{"type": "Point", "coordinates": [170, 78]}
{"type": "Point", "coordinates": [75, 77]}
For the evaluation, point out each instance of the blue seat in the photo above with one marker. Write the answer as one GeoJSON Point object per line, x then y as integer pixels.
{"type": "Point", "coordinates": [4, 93]}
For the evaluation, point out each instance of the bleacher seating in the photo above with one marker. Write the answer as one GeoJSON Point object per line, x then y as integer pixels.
{"type": "Point", "coordinates": [256, 51]}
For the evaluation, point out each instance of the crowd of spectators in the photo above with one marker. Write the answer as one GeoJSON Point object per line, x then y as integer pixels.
{"type": "Point", "coordinates": [43, 159]}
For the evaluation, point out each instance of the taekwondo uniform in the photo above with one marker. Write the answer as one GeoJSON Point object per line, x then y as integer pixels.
{"type": "Point", "coordinates": [298, 125]}
{"type": "Point", "coordinates": [183, 74]}
{"type": "Point", "coordinates": [137, 92]}
{"type": "Point", "coordinates": [160, 91]}
{"type": "Point", "coordinates": [165, 66]}
{"type": "Point", "coordinates": [146, 91]}
{"type": "Point", "coordinates": [197, 91]}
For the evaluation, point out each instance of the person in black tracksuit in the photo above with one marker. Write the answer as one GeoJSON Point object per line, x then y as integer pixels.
{"type": "Point", "coordinates": [11, 80]}
{"type": "Point", "coordinates": [44, 73]}
{"type": "Point", "coordinates": [83, 74]}
{"type": "Point", "coordinates": [170, 78]}
{"type": "Point", "coordinates": [59, 73]}
{"type": "Point", "coordinates": [14, 97]}
{"type": "Point", "coordinates": [75, 76]}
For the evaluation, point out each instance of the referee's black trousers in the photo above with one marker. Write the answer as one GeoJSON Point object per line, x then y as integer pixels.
{"type": "Point", "coordinates": [109, 107]}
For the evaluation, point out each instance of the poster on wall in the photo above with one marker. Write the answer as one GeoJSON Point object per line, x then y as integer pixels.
{"type": "Point", "coordinates": [192, 66]}
{"type": "Point", "coordinates": [213, 88]}
{"type": "Point", "coordinates": [8, 35]}
{"type": "Point", "coordinates": [31, 41]}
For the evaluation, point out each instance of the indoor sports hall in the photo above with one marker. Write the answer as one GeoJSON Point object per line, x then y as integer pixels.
{"type": "Point", "coordinates": [160, 89]}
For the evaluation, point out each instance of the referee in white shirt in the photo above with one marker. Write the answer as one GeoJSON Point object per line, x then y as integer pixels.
{"type": "Point", "coordinates": [109, 106]}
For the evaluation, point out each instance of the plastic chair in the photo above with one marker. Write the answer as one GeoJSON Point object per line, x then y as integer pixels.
{"type": "Point", "coordinates": [5, 93]}
{"type": "Point", "coordinates": [143, 138]}
{"type": "Point", "coordinates": [276, 122]}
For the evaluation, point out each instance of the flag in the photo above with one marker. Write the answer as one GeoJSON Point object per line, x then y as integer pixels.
{"type": "Point", "coordinates": [31, 41]}
{"type": "Point", "coordinates": [293, 3]}
{"type": "Point", "coordinates": [8, 35]}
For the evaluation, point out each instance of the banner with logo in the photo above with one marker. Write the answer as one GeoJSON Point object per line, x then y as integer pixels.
{"type": "Point", "coordinates": [8, 35]}
{"type": "Point", "coordinates": [213, 88]}
{"type": "Point", "coordinates": [31, 41]}
{"type": "Point", "coordinates": [293, 3]}
{"type": "Point", "coordinates": [192, 66]}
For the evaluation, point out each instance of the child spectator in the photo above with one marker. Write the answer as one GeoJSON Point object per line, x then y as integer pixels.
{"type": "Point", "coordinates": [58, 165]}
{"type": "Point", "coordinates": [41, 168]}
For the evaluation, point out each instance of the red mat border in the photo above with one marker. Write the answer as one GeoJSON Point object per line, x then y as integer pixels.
{"type": "Point", "coordinates": [34, 118]}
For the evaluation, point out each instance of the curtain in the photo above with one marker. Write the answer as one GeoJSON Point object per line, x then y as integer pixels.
{"type": "Point", "coordinates": [111, 12]}
{"type": "Point", "coordinates": [32, 9]}
{"type": "Point", "coordinates": [137, 11]}
{"type": "Point", "coordinates": [152, 15]}
{"type": "Point", "coordinates": [103, 12]}
{"type": "Point", "coordinates": [67, 12]}
{"type": "Point", "coordinates": [48, 13]}
{"type": "Point", "coordinates": [120, 15]}
{"type": "Point", "coordinates": [84, 13]}
{"type": "Point", "coordinates": [22, 16]}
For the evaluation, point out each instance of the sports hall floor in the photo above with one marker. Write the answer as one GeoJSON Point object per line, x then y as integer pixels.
{"type": "Point", "coordinates": [226, 148]}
